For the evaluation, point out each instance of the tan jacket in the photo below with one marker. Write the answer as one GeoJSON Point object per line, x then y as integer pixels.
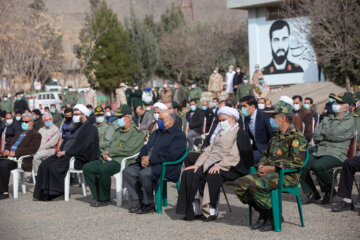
{"type": "Point", "coordinates": [49, 137]}
{"type": "Point", "coordinates": [215, 83]}
{"type": "Point", "coordinates": [90, 98]}
{"type": "Point", "coordinates": [223, 151]}
{"type": "Point", "coordinates": [256, 76]}
{"type": "Point", "coordinates": [120, 97]}
{"type": "Point", "coordinates": [165, 96]}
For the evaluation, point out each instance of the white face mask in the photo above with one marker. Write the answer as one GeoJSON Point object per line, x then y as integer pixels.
{"type": "Point", "coordinates": [136, 88]}
{"type": "Point", "coordinates": [237, 70]}
{"type": "Point", "coordinates": [108, 114]}
{"type": "Point", "coordinates": [261, 106]}
{"type": "Point", "coordinates": [246, 81]}
{"type": "Point", "coordinates": [296, 107]}
{"type": "Point", "coordinates": [76, 119]}
{"type": "Point", "coordinates": [165, 85]}
{"type": "Point", "coordinates": [148, 108]}
{"type": "Point", "coordinates": [156, 116]}
{"type": "Point", "coordinates": [336, 107]}
{"type": "Point", "coordinates": [224, 127]}
{"type": "Point", "coordinates": [9, 122]}
{"type": "Point", "coordinates": [18, 118]}
{"type": "Point", "coordinates": [100, 119]}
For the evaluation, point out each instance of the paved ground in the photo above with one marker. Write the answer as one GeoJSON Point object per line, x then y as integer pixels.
{"type": "Point", "coordinates": [26, 219]}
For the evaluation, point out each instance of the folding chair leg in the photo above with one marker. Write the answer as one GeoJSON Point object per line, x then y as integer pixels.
{"type": "Point", "coordinates": [15, 183]}
{"type": "Point", "coordinates": [23, 185]}
{"type": "Point", "coordinates": [164, 195]}
{"type": "Point", "coordinates": [67, 186]}
{"type": "Point", "coordinates": [158, 197]}
{"type": "Point", "coordinates": [83, 185]}
{"type": "Point", "coordinates": [250, 216]}
{"type": "Point", "coordinates": [226, 198]}
{"type": "Point", "coordinates": [118, 189]}
{"type": "Point", "coordinates": [33, 176]}
{"type": "Point", "coordinates": [276, 210]}
{"type": "Point", "coordinates": [300, 209]}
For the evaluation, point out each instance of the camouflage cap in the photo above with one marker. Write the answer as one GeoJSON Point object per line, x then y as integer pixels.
{"type": "Point", "coordinates": [99, 111]}
{"type": "Point", "coordinates": [344, 98]}
{"type": "Point", "coordinates": [123, 110]}
{"type": "Point", "coordinates": [283, 106]}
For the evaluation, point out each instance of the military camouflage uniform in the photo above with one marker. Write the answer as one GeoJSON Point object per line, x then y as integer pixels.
{"type": "Point", "coordinates": [284, 151]}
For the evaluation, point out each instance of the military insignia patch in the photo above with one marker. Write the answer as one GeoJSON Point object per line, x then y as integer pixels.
{"type": "Point", "coordinates": [119, 109]}
{"type": "Point", "coordinates": [120, 144]}
{"type": "Point", "coordinates": [295, 143]}
{"type": "Point", "coordinates": [279, 152]}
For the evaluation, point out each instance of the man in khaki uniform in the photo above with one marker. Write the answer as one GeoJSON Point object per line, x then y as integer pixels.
{"type": "Point", "coordinates": [120, 95]}
{"type": "Point", "coordinates": [90, 97]}
{"type": "Point", "coordinates": [215, 84]}
{"type": "Point", "coordinates": [257, 75]}
{"type": "Point", "coordinates": [126, 141]}
{"type": "Point", "coordinates": [166, 94]}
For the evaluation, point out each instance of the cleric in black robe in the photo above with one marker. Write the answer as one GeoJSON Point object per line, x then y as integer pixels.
{"type": "Point", "coordinates": [83, 144]}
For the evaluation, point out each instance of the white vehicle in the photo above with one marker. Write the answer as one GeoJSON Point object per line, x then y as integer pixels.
{"type": "Point", "coordinates": [45, 99]}
{"type": "Point", "coordinates": [53, 85]}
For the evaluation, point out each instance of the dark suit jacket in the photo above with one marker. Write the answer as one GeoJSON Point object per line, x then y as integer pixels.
{"type": "Point", "coordinates": [28, 146]}
{"type": "Point", "coordinates": [209, 114]}
{"type": "Point", "coordinates": [263, 130]}
{"type": "Point", "coordinates": [11, 131]}
{"type": "Point", "coordinates": [197, 121]}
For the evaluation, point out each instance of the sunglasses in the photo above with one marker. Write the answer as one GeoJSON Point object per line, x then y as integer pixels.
{"type": "Point", "coordinates": [26, 121]}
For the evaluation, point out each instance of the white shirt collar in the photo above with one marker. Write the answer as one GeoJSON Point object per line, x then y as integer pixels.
{"type": "Point", "coordinates": [253, 116]}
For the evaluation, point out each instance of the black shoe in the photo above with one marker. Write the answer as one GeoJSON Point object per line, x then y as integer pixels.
{"type": "Point", "coordinates": [35, 199]}
{"type": "Point", "coordinates": [311, 198]}
{"type": "Point", "coordinates": [327, 197]}
{"type": "Point", "coordinates": [269, 221]}
{"type": "Point", "coordinates": [146, 208]}
{"type": "Point", "coordinates": [29, 179]}
{"type": "Point", "coordinates": [136, 208]}
{"type": "Point", "coordinates": [343, 206]}
{"type": "Point", "coordinates": [259, 223]}
{"type": "Point", "coordinates": [100, 203]}
{"type": "Point", "coordinates": [4, 196]}
{"type": "Point", "coordinates": [197, 217]}
{"type": "Point", "coordinates": [210, 219]}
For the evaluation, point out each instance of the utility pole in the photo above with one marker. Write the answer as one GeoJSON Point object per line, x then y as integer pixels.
{"type": "Point", "coordinates": [187, 9]}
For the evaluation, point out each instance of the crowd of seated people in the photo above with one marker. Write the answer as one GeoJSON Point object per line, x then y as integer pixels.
{"type": "Point", "coordinates": [252, 133]}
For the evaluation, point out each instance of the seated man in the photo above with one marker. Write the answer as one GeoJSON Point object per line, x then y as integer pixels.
{"type": "Point", "coordinates": [178, 121]}
{"type": "Point", "coordinates": [144, 119]}
{"type": "Point", "coordinates": [67, 124]}
{"type": "Point", "coordinates": [83, 144]}
{"type": "Point", "coordinates": [257, 126]}
{"type": "Point", "coordinates": [49, 138]}
{"type": "Point", "coordinates": [349, 168]}
{"type": "Point", "coordinates": [38, 122]}
{"type": "Point", "coordinates": [26, 142]}
{"type": "Point", "coordinates": [195, 118]}
{"type": "Point", "coordinates": [227, 158]}
{"type": "Point", "coordinates": [9, 129]}
{"type": "Point", "coordinates": [109, 116]}
{"type": "Point", "coordinates": [166, 144]}
{"type": "Point", "coordinates": [57, 119]}
{"type": "Point", "coordinates": [126, 141]}
{"type": "Point", "coordinates": [100, 123]}
{"type": "Point", "coordinates": [332, 139]}
{"type": "Point", "coordinates": [286, 150]}
{"type": "Point", "coordinates": [209, 115]}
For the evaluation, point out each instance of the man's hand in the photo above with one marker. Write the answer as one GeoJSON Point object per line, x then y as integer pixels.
{"type": "Point", "coordinates": [145, 161]}
{"type": "Point", "coordinates": [60, 153]}
{"type": "Point", "coordinates": [263, 170]}
{"type": "Point", "coordinates": [214, 170]}
{"type": "Point", "coordinates": [192, 167]}
{"type": "Point", "coordinates": [105, 157]}
{"type": "Point", "coordinates": [12, 154]}
{"type": "Point", "coordinates": [6, 153]}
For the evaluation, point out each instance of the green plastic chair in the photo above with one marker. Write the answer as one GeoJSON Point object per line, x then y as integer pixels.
{"type": "Point", "coordinates": [161, 193]}
{"type": "Point", "coordinates": [276, 196]}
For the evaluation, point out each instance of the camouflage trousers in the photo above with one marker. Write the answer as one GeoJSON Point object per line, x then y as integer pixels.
{"type": "Point", "coordinates": [255, 190]}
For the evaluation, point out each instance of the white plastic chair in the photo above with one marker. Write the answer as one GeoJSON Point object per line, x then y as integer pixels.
{"type": "Point", "coordinates": [67, 179]}
{"type": "Point", "coordinates": [18, 172]}
{"type": "Point", "coordinates": [119, 180]}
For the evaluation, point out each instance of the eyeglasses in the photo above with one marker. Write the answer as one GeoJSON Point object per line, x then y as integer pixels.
{"type": "Point", "coordinates": [26, 121]}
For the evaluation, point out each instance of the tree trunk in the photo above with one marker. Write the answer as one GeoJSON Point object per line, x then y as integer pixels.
{"type": "Point", "coordinates": [179, 76]}
{"type": "Point", "coordinates": [348, 84]}
{"type": "Point", "coordinates": [111, 97]}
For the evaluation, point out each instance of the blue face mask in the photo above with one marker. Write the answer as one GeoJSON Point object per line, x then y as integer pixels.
{"type": "Point", "coordinates": [18, 98]}
{"type": "Point", "coordinates": [34, 118]}
{"type": "Point", "coordinates": [48, 124]}
{"type": "Point", "coordinates": [273, 124]}
{"type": "Point", "coordinates": [261, 81]}
{"type": "Point", "coordinates": [24, 126]}
{"type": "Point", "coordinates": [306, 106]}
{"type": "Point", "coordinates": [331, 100]}
{"type": "Point", "coordinates": [214, 105]}
{"type": "Point", "coordinates": [52, 110]}
{"type": "Point", "coordinates": [244, 112]}
{"type": "Point", "coordinates": [192, 108]}
{"type": "Point", "coordinates": [161, 124]}
{"type": "Point", "coordinates": [120, 122]}
{"type": "Point", "coordinates": [204, 108]}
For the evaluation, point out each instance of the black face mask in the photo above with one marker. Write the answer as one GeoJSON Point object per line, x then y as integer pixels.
{"type": "Point", "coordinates": [68, 119]}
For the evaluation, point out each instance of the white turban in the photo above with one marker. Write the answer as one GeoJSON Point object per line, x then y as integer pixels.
{"type": "Point", "coordinates": [83, 109]}
{"type": "Point", "coordinates": [232, 112]}
{"type": "Point", "coordinates": [161, 106]}
{"type": "Point", "coordinates": [287, 100]}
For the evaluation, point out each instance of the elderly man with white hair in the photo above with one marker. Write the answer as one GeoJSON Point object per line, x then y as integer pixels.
{"type": "Point", "coordinates": [158, 107]}
{"type": "Point", "coordinates": [49, 138]}
{"type": "Point", "coordinates": [25, 142]}
{"type": "Point", "coordinates": [83, 144]}
{"type": "Point", "coordinates": [227, 158]}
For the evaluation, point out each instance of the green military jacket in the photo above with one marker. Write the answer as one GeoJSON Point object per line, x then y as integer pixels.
{"type": "Point", "coordinates": [57, 119]}
{"type": "Point", "coordinates": [70, 98]}
{"type": "Point", "coordinates": [244, 90]}
{"type": "Point", "coordinates": [106, 132]}
{"type": "Point", "coordinates": [7, 106]}
{"type": "Point", "coordinates": [195, 93]}
{"type": "Point", "coordinates": [286, 151]}
{"type": "Point", "coordinates": [125, 143]}
{"type": "Point", "coordinates": [356, 116]}
{"type": "Point", "coordinates": [333, 136]}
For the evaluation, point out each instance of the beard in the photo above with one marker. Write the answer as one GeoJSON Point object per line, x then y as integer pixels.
{"type": "Point", "coordinates": [280, 59]}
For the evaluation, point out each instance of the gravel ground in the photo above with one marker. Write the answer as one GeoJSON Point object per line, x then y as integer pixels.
{"type": "Point", "coordinates": [26, 219]}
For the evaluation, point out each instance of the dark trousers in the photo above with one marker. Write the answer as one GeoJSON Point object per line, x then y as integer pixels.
{"type": "Point", "coordinates": [140, 183]}
{"type": "Point", "coordinates": [257, 155]}
{"type": "Point", "coordinates": [5, 168]}
{"type": "Point", "coordinates": [320, 166]}
{"type": "Point", "coordinates": [349, 167]}
{"type": "Point", "coordinates": [192, 182]}
{"type": "Point", "coordinates": [98, 176]}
